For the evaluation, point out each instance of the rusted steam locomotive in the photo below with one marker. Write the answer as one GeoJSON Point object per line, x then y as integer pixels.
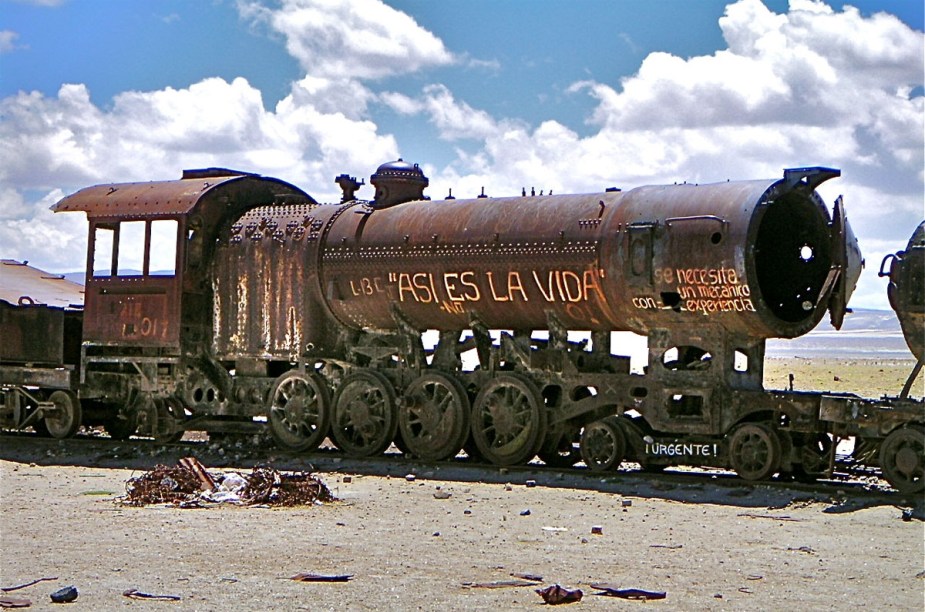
{"type": "Point", "coordinates": [308, 318]}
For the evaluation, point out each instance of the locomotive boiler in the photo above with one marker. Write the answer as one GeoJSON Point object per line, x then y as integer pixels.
{"type": "Point", "coordinates": [307, 319]}
{"type": "Point", "coordinates": [756, 259]}
{"type": "Point", "coordinates": [707, 272]}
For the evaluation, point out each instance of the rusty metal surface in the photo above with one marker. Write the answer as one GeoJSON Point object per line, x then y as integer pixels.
{"type": "Point", "coordinates": [168, 310]}
{"type": "Point", "coordinates": [397, 182]}
{"type": "Point", "coordinates": [653, 258]}
{"type": "Point", "coordinates": [649, 258]}
{"type": "Point", "coordinates": [31, 334]}
{"type": "Point", "coordinates": [506, 261]}
{"type": "Point", "coordinates": [154, 199]}
{"type": "Point", "coordinates": [137, 311]}
{"type": "Point", "coordinates": [139, 200]}
{"type": "Point", "coordinates": [268, 301]}
{"type": "Point", "coordinates": [21, 283]}
{"type": "Point", "coordinates": [906, 290]}
{"type": "Point", "coordinates": [46, 378]}
{"type": "Point", "coordinates": [39, 334]}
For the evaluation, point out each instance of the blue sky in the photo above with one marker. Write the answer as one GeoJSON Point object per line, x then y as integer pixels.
{"type": "Point", "coordinates": [573, 96]}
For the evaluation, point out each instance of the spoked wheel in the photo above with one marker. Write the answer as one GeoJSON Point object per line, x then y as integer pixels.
{"type": "Point", "coordinates": [434, 420]}
{"type": "Point", "coordinates": [64, 420]}
{"type": "Point", "coordinates": [560, 449]}
{"type": "Point", "coordinates": [508, 420]}
{"type": "Point", "coordinates": [603, 444]}
{"type": "Point", "coordinates": [299, 411]}
{"type": "Point", "coordinates": [168, 423]}
{"type": "Point", "coordinates": [814, 458]}
{"type": "Point", "coordinates": [365, 420]}
{"type": "Point", "coordinates": [754, 451]}
{"type": "Point", "coordinates": [159, 418]}
{"type": "Point", "coordinates": [902, 455]}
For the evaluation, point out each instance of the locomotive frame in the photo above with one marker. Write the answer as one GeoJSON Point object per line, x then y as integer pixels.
{"type": "Point", "coordinates": [307, 319]}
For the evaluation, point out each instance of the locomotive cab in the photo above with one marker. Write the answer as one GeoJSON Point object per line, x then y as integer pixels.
{"type": "Point", "coordinates": [144, 265]}
{"type": "Point", "coordinates": [148, 296]}
{"type": "Point", "coordinates": [136, 307]}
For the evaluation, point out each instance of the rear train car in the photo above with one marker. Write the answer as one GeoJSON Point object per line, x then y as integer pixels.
{"type": "Point", "coordinates": [41, 319]}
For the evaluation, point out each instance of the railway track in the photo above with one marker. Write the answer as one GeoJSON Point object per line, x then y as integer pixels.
{"type": "Point", "coordinates": [851, 486]}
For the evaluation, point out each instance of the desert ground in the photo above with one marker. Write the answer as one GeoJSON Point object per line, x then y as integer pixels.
{"type": "Point", "coordinates": [707, 540]}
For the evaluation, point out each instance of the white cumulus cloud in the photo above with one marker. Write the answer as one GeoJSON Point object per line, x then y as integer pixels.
{"type": "Point", "coordinates": [8, 40]}
{"type": "Point", "coordinates": [351, 39]}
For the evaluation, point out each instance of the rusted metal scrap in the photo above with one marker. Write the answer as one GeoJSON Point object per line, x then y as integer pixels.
{"type": "Point", "coordinates": [27, 584]}
{"type": "Point", "coordinates": [184, 485]}
{"type": "Point", "coordinates": [309, 577]}
{"type": "Point", "coordinates": [640, 594]}
{"type": "Point", "coordinates": [556, 594]}
{"type": "Point", "coordinates": [525, 576]}
{"type": "Point", "coordinates": [136, 594]}
{"type": "Point", "coordinates": [206, 481]}
{"type": "Point", "coordinates": [14, 602]}
{"type": "Point", "coordinates": [162, 485]}
{"type": "Point", "coordinates": [267, 486]}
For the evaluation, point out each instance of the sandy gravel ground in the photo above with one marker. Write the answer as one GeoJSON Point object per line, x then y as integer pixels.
{"type": "Point", "coordinates": [867, 378]}
{"type": "Point", "coordinates": [709, 542]}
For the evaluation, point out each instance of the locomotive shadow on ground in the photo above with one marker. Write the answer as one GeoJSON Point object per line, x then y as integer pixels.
{"type": "Point", "coordinates": [701, 487]}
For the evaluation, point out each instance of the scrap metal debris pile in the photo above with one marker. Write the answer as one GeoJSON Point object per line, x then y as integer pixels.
{"type": "Point", "coordinates": [188, 484]}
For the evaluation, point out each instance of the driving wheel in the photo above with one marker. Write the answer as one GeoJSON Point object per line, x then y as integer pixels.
{"type": "Point", "coordinates": [364, 421]}
{"type": "Point", "coordinates": [434, 418]}
{"type": "Point", "coordinates": [508, 420]}
{"type": "Point", "coordinates": [168, 421]}
{"type": "Point", "coordinates": [299, 411]}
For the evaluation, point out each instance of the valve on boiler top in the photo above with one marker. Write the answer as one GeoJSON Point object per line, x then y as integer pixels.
{"type": "Point", "coordinates": [397, 182]}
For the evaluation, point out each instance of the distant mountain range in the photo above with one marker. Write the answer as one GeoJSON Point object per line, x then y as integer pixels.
{"type": "Point", "coordinates": [862, 320]}
{"type": "Point", "coordinates": [80, 277]}
{"type": "Point", "coordinates": [864, 334]}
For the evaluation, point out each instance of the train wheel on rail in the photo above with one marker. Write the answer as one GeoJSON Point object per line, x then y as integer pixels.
{"type": "Point", "coordinates": [472, 451]}
{"type": "Point", "coordinates": [434, 419]}
{"type": "Point", "coordinates": [365, 420]}
{"type": "Point", "coordinates": [754, 451]}
{"type": "Point", "coordinates": [121, 427]}
{"type": "Point", "coordinates": [299, 411]}
{"type": "Point", "coordinates": [902, 456]}
{"type": "Point", "coordinates": [64, 419]}
{"type": "Point", "coordinates": [559, 448]}
{"type": "Point", "coordinates": [41, 429]}
{"type": "Point", "coordinates": [170, 416]}
{"type": "Point", "coordinates": [815, 454]}
{"type": "Point", "coordinates": [603, 444]}
{"type": "Point", "coordinates": [508, 420]}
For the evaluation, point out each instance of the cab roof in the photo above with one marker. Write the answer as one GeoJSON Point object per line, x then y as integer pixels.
{"type": "Point", "coordinates": [158, 199]}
